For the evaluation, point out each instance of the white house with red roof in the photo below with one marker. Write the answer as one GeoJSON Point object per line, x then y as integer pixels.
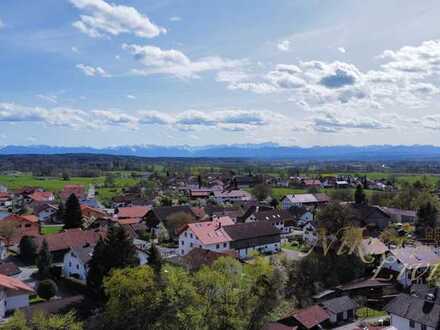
{"type": "Point", "coordinates": [14, 294]}
{"type": "Point", "coordinates": [209, 235]}
{"type": "Point", "coordinates": [222, 234]}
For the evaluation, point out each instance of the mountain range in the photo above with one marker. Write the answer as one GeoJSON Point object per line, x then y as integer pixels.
{"type": "Point", "coordinates": [257, 151]}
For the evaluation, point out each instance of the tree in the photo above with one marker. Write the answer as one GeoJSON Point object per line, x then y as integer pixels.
{"type": "Point", "coordinates": [334, 217]}
{"type": "Point", "coordinates": [176, 221]}
{"type": "Point", "coordinates": [8, 230]}
{"type": "Point", "coordinates": [426, 218]}
{"type": "Point", "coordinates": [261, 191]}
{"type": "Point", "coordinates": [359, 195]}
{"type": "Point", "coordinates": [109, 181]}
{"type": "Point", "coordinates": [166, 201]}
{"type": "Point", "coordinates": [274, 203]}
{"type": "Point", "coordinates": [44, 261]}
{"type": "Point", "coordinates": [66, 176]}
{"type": "Point", "coordinates": [154, 258]}
{"type": "Point", "coordinates": [60, 213]}
{"type": "Point", "coordinates": [42, 321]}
{"type": "Point", "coordinates": [73, 216]}
{"type": "Point", "coordinates": [28, 250]}
{"type": "Point", "coordinates": [115, 251]}
{"type": "Point", "coordinates": [47, 289]}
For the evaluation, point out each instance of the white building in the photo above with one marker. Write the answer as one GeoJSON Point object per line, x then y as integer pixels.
{"type": "Point", "coordinates": [412, 312]}
{"type": "Point", "coordinates": [222, 234]}
{"type": "Point", "coordinates": [222, 197]}
{"type": "Point", "coordinates": [209, 235]}
{"type": "Point", "coordinates": [76, 261]}
{"type": "Point", "coordinates": [409, 262]}
{"type": "Point", "coordinates": [14, 294]}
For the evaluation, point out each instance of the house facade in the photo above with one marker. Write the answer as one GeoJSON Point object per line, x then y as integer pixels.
{"type": "Point", "coordinates": [14, 294]}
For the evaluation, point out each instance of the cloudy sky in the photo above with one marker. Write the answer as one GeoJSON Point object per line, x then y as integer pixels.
{"type": "Point", "coordinates": [197, 72]}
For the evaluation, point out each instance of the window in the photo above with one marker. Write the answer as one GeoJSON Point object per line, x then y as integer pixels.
{"type": "Point", "coordinates": [224, 245]}
{"type": "Point", "coordinates": [182, 243]}
{"type": "Point", "coordinates": [182, 252]}
{"type": "Point", "coordinates": [423, 327]}
{"type": "Point", "coordinates": [191, 244]}
{"type": "Point", "coordinates": [217, 246]}
{"type": "Point", "coordinates": [77, 266]}
{"type": "Point", "coordinates": [186, 234]}
{"type": "Point", "coordinates": [191, 235]}
{"type": "Point", "coordinates": [412, 324]}
{"type": "Point", "coordinates": [70, 264]}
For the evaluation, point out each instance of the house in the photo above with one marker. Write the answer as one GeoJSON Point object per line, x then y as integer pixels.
{"type": "Point", "coordinates": [301, 214]}
{"type": "Point", "coordinates": [208, 235]}
{"type": "Point", "coordinates": [310, 234]}
{"type": "Point", "coordinates": [409, 312]}
{"type": "Point", "coordinates": [222, 235]}
{"type": "Point", "coordinates": [46, 212]}
{"type": "Point", "coordinates": [133, 212]}
{"type": "Point", "coordinates": [76, 262]}
{"type": "Point", "coordinates": [340, 309]}
{"type": "Point", "coordinates": [407, 263]}
{"type": "Point", "coordinates": [61, 243]}
{"type": "Point", "coordinates": [14, 294]}
{"type": "Point", "coordinates": [260, 237]}
{"type": "Point", "coordinates": [158, 215]}
{"type": "Point", "coordinates": [399, 215]}
{"type": "Point", "coordinates": [9, 269]}
{"type": "Point", "coordinates": [310, 183]}
{"type": "Point", "coordinates": [5, 200]}
{"type": "Point", "coordinates": [76, 189]}
{"type": "Point", "coordinates": [314, 317]}
{"type": "Point", "coordinates": [42, 197]}
{"type": "Point", "coordinates": [280, 219]}
{"type": "Point", "coordinates": [197, 258]}
{"type": "Point", "coordinates": [373, 247]}
{"type": "Point", "coordinates": [230, 196]}
{"type": "Point", "coordinates": [26, 225]}
{"type": "Point", "coordinates": [371, 217]}
{"type": "Point", "coordinates": [306, 200]}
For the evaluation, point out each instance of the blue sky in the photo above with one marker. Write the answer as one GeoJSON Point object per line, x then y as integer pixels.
{"type": "Point", "coordinates": [304, 72]}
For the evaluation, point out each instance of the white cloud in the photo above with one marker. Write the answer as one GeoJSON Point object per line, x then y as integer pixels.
{"type": "Point", "coordinates": [342, 50]}
{"type": "Point", "coordinates": [175, 19]}
{"type": "Point", "coordinates": [93, 71]}
{"type": "Point", "coordinates": [174, 62]}
{"type": "Point", "coordinates": [75, 49]}
{"type": "Point", "coordinates": [102, 19]}
{"type": "Point", "coordinates": [283, 45]}
{"type": "Point", "coordinates": [131, 97]}
{"type": "Point", "coordinates": [48, 98]}
{"type": "Point", "coordinates": [2, 25]}
{"type": "Point", "coordinates": [331, 122]}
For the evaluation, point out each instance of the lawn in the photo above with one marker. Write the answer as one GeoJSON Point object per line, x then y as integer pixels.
{"type": "Point", "coordinates": [365, 312]}
{"type": "Point", "coordinates": [48, 229]}
{"type": "Point", "coordinates": [278, 193]}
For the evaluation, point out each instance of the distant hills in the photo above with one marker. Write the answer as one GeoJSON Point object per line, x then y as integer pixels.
{"type": "Point", "coordinates": [257, 151]}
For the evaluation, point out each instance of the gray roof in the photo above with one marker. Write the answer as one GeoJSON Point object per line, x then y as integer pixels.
{"type": "Point", "coordinates": [84, 253]}
{"type": "Point", "coordinates": [416, 309]}
{"type": "Point", "coordinates": [339, 304]}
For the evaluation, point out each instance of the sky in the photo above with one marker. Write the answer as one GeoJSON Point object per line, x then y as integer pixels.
{"type": "Point", "coordinates": [195, 72]}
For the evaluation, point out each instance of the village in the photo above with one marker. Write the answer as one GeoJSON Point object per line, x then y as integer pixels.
{"type": "Point", "coordinates": [49, 243]}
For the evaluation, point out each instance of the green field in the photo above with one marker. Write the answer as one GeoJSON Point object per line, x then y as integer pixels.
{"type": "Point", "coordinates": [48, 229]}
{"type": "Point", "coordinates": [57, 184]}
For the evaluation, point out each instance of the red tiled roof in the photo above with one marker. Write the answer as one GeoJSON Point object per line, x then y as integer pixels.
{"type": "Point", "coordinates": [14, 284]}
{"type": "Point", "coordinates": [311, 316]}
{"type": "Point", "coordinates": [133, 212]}
{"type": "Point", "coordinates": [130, 221]}
{"type": "Point", "coordinates": [41, 196]}
{"type": "Point", "coordinates": [16, 217]}
{"type": "Point", "coordinates": [211, 232]}
{"type": "Point", "coordinates": [70, 238]}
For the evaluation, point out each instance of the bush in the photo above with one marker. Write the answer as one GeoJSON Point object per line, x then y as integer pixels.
{"type": "Point", "coordinates": [47, 289]}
